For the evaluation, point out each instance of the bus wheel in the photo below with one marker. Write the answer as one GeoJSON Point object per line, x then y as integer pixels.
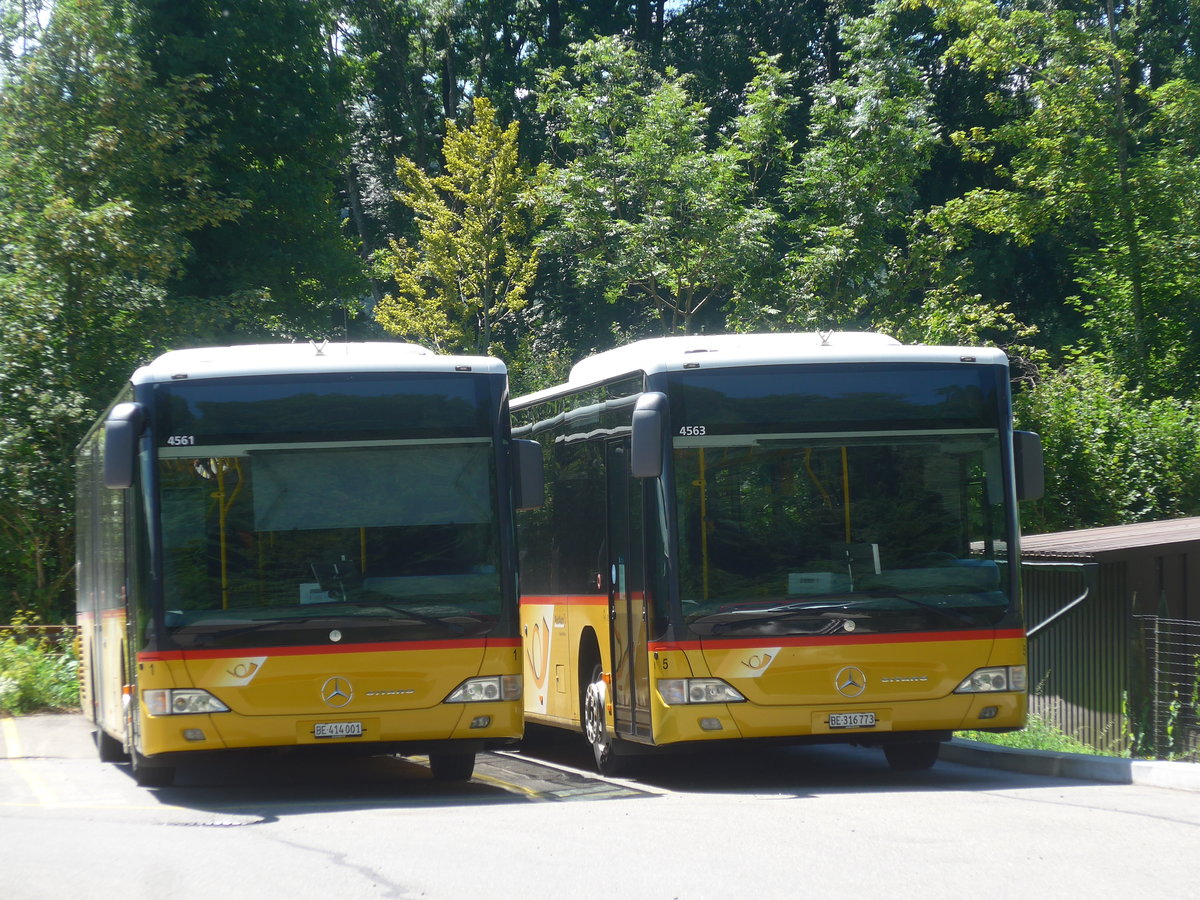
{"type": "Point", "coordinates": [150, 776]}
{"type": "Point", "coordinates": [450, 766]}
{"type": "Point", "coordinates": [109, 748]}
{"type": "Point", "coordinates": [913, 756]}
{"type": "Point", "coordinates": [594, 723]}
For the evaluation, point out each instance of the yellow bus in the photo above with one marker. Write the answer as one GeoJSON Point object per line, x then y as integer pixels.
{"type": "Point", "coordinates": [792, 537]}
{"type": "Point", "coordinates": [302, 546]}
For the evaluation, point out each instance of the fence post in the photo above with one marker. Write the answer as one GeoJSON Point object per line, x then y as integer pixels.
{"type": "Point", "coordinates": [1156, 725]}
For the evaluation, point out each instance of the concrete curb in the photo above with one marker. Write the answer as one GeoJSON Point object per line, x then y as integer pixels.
{"type": "Point", "coordinates": [1180, 776]}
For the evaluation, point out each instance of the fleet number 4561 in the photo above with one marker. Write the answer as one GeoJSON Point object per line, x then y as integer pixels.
{"type": "Point", "coordinates": [181, 440]}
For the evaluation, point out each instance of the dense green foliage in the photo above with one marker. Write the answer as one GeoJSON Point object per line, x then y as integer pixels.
{"type": "Point", "coordinates": [542, 179]}
{"type": "Point", "coordinates": [36, 673]}
{"type": "Point", "coordinates": [1113, 455]}
{"type": "Point", "coordinates": [473, 261]}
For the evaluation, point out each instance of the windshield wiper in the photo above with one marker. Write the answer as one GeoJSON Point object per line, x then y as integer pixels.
{"type": "Point", "coordinates": [840, 600]}
{"type": "Point", "coordinates": [738, 618]}
{"type": "Point", "coordinates": [953, 615]}
{"type": "Point", "coordinates": [828, 603]}
{"type": "Point", "coordinates": [827, 626]}
{"type": "Point", "coordinates": [453, 627]}
{"type": "Point", "coordinates": [210, 636]}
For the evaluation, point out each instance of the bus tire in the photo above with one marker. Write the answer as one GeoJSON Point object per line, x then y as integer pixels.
{"type": "Point", "coordinates": [109, 748]}
{"type": "Point", "coordinates": [447, 765]}
{"type": "Point", "coordinates": [913, 756]}
{"type": "Point", "coordinates": [595, 723]}
{"type": "Point", "coordinates": [149, 775]}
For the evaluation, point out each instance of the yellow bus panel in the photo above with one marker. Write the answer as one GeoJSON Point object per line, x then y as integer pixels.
{"type": "Point", "coordinates": [277, 695]}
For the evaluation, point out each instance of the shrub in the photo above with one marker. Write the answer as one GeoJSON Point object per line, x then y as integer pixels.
{"type": "Point", "coordinates": [1113, 455]}
{"type": "Point", "coordinates": [37, 673]}
{"type": "Point", "coordinates": [1038, 734]}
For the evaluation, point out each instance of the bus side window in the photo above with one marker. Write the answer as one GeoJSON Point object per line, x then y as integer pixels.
{"type": "Point", "coordinates": [579, 539]}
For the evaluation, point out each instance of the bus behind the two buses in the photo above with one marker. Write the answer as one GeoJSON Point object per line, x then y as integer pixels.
{"type": "Point", "coordinates": [302, 546]}
{"type": "Point", "coordinates": [794, 537]}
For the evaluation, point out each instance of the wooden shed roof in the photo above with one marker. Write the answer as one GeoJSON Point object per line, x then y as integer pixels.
{"type": "Point", "coordinates": [1113, 539]}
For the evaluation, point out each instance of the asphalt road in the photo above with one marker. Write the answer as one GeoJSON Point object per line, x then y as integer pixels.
{"type": "Point", "coordinates": [782, 822]}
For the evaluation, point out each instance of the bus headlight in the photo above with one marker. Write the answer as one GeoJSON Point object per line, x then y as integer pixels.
{"type": "Point", "coordinates": [677, 691]}
{"type": "Point", "coordinates": [996, 678]}
{"type": "Point", "coordinates": [482, 690]}
{"type": "Point", "coordinates": [181, 702]}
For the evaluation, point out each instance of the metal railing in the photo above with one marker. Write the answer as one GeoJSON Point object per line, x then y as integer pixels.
{"type": "Point", "coordinates": [1166, 718]}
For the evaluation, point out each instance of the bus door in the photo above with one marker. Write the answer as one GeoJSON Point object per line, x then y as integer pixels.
{"type": "Point", "coordinates": [627, 596]}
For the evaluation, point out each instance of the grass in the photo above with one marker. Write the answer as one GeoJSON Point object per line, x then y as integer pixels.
{"type": "Point", "coordinates": [37, 674]}
{"type": "Point", "coordinates": [1038, 734]}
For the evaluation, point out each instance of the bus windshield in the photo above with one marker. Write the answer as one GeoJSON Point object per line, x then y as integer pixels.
{"type": "Point", "coordinates": [358, 528]}
{"type": "Point", "coordinates": [855, 525]}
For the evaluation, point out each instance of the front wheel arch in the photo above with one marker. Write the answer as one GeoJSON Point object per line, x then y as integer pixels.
{"type": "Point", "coordinates": [587, 659]}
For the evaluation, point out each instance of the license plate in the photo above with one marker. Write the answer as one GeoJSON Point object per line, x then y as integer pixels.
{"type": "Point", "coordinates": [852, 720]}
{"type": "Point", "coordinates": [337, 729]}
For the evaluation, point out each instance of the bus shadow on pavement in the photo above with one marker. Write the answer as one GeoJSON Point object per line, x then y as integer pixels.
{"type": "Point", "coordinates": [273, 785]}
{"type": "Point", "coordinates": [782, 769]}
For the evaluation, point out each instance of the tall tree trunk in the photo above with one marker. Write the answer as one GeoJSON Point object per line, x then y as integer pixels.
{"type": "Point", "coordinates": [366, 249]}
{"type": "Point", "coordinates": [449, 76]}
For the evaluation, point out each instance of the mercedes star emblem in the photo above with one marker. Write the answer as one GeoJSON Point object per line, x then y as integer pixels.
{"type": "Point", "coordinates": [850, 681]}
{"type": "Point", "coordinates": [337, 691]}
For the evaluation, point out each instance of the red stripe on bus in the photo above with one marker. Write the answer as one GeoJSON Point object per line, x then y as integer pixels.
{"type": "Point", "coordinates": [318, 649]}
{"type": "Point", "coordinates": [918, 637]}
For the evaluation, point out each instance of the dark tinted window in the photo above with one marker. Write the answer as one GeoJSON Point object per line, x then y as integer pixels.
{"type": "Point", "coordinates": [835, 398]}
{"type": "Point", "coordinates": [340, 407]}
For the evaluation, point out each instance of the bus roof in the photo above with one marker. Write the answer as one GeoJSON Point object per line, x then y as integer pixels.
{"type": "Point", "coordinates": [305, 359]}
{"type": "Point", "coordinates": [673, 354]}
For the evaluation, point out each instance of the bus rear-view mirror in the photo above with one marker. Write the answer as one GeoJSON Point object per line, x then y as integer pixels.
{"type": "Point", "coordinates": [122, 429]}
{"type": "Point", "coordinates": [646, 440]}
{"type": "Point", "coordinates": [530, 488]}
{"type": "Point", "coordinates": [1029, 465]}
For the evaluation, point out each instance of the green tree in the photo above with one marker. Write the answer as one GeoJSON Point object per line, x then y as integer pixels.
{"type": "Point", "coordinates": [279, 139]}
{"type": "Point", "coordinates": [870, 141]}
{"type": "Point", "coordinates": [857, 255]}
{"type": "Point", "coordinates": [1087, 150]}
{"type": "Point", "coordinates": [1113, 455]}
{"type": "Point", "coordinates": [646, 209]}
{"type": "Point", "coordinates": [101, 183]}
{"type": "Point", "coordinates": [717, 44]}
{"type": "Point", "coordinates": [472, 263]}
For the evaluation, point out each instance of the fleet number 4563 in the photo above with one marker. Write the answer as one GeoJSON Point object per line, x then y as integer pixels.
{"type": "Point", "coordinates": [691, 431]}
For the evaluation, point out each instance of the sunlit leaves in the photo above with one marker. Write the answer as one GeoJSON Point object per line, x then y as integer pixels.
{"type": "Point", "coordinates": [852, 191]}
{"type": "Point", "coordinates": [472, 263]}
{"type": "Point", "coordinates": [647, 206]}
{"type": "Point", "coordinates": [1086, 150]}
{"type": "Point", "coordinates": [1112, 454]}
